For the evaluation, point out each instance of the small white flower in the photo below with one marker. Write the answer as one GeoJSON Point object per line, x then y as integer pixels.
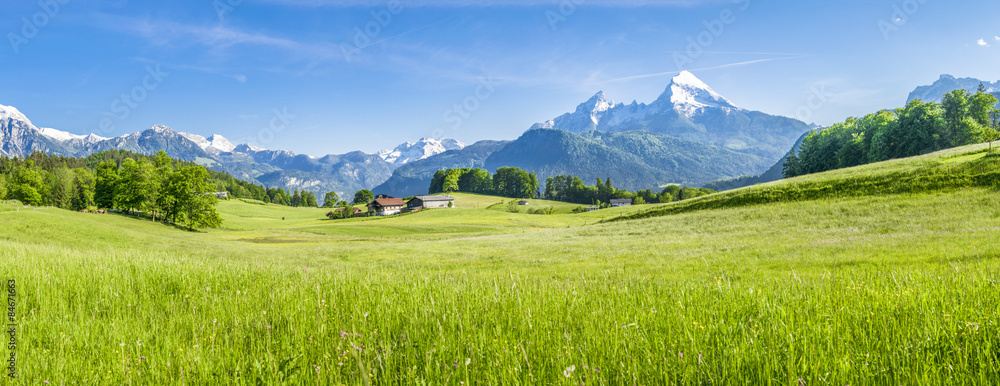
{"type": "Point", "coordinates": [467, 361]}
{"type": "Point", "coordinates": [569, 371]}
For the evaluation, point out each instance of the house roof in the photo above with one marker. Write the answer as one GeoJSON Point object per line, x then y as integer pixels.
{"type": "Point", "coordinates": [435, 198]}
{"type": "Point", "coordinates": [383, 202]}
{"type": "Point", "coordinates": [622, 201]}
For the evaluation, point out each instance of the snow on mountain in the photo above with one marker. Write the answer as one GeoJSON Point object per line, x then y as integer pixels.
{"type": "Point", "coordinates": [215, 142]}
{"type": "Point", "coordinates": [11, 113]}
{"type": "Point", "coordinates": [688, 94]}
{"type": "Point", "coordinates": [690, 110]}
{"type": "Point", "coordinates": [60, 135]}
{"type": "Point", "coordinates": [422, 149]}
{"type": "Point", "coordinates": [947, 83]}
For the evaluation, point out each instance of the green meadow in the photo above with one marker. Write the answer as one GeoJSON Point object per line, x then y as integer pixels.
{"type": "Point", "coordinates": [882, 274]}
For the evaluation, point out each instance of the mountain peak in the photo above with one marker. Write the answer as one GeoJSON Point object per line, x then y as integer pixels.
{"type": "Point", "coordinates": [219, 142]}
{"type": "Point", "coordinates": [215, 142]}
{"type": "Point", "coordinates": [161, 129]}
{"type": "Point", "coordinates": [424, 148]}
{"type": "Point", "coordinates": [9, 112]}
{"type": "Point", "coordinates": [688, 94]}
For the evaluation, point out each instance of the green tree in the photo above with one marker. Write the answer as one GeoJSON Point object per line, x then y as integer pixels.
{"type": "Point", "coordinates": [363, 197]}
{"type": "Point", "coordinates": [61, 187]}
{"type": "Point", "coordinates": [193, 203]}
{"type": "Point", "coordinates": [28, 184]}
{"type": "Point", "coordinates": [136, 188]}
{"type": "Point", "coordinates": [956, 109]}
{"type": "Point", "coordinates": [104, 189]}
{"type": "Point", "coordinates": [330, 199]}
{"type": "Point", "coordinates": [310, 199]}
{"type": "Point", "coordinates": [3, 187]}
{"type": "Point", "coordinates": [437, 182]}
{"type": "Point", "coordinates": [981, 105]}
{"type": "Point", "coordinates": [476, 181]}
{"type": "Point", "coordinates": [84, 187]}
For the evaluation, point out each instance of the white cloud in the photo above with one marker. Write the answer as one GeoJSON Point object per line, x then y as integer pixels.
{"type": "Point", "coordinates": [983, 43]}
{"type": "Point", "coordinates": [997, 38]}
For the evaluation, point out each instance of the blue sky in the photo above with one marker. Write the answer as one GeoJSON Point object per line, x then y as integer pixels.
{"type": "Point", "coordinates": [275, 73]}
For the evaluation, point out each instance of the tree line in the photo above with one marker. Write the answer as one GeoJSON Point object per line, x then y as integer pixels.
{"type": "Point", "coordinates": [572, 189]}
{"type": "Point", "coordinates": [156, 186]}
{"type": "Point", "coordinates": [962, 118]}
{"type": "Point", "coordinates": [507, 182]}
{"type": "Point", "coordinates": [516, 183]}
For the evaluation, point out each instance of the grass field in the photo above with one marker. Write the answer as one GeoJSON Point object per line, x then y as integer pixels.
{"type": "Point", "coordinates": [779, 287]}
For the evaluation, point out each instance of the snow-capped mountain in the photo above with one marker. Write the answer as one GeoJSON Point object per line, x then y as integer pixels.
{"type": "Point", "coordinates": [688, 94]}
{"type": "Point", "coordinates": [19, 137]}
{"type": "Point", "coordinates": [690, 110]}
{"type": "Point", "coordinates": [343, 174]}
{"type": "Point", "coordinates": [947, 83]}
{"type": "Point", "coordinates": [422, 149]}
{"type": "Point", "coordinates": [70, 137]}
{"type": "Point", "coordinates": [214, 143]}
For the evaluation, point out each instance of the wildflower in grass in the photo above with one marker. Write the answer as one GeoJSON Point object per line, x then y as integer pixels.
{"type": "Point", "coordinates": [569, 371]}
{"type": "Point", "coordinates": [467, 361]}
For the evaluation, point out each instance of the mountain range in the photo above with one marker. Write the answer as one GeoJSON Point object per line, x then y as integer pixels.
{"type": "Point", "coordinates": [689, 135]}
{"type": "Point", "coordinates": [344, 174]}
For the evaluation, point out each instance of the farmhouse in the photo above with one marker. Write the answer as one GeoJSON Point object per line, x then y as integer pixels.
{"type": "Point", "coordinates": [430, 202]}
{"type": "Point", "coordinates": [524, 203]}
{"type": "Point", "coordinates": [386, 206]}
{"type": "Point", "coordinates": [621, 202]}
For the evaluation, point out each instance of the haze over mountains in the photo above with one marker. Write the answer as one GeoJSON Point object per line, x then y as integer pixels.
{"type": "Point", "coordinates": [689, 135]}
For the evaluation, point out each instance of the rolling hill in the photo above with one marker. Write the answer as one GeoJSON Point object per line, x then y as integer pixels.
{"type": "Point", "coordinates": [890, 265]}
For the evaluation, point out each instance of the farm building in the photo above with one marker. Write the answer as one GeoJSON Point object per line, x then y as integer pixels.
{"type": "Point", "coordinates": [621, 202]}
{"type": "Point", "coordinates": [430, 202]}
{"type": "Point", "coordinates": [523, 203]}
{"type": "Point", "coordinates": [386, 206]}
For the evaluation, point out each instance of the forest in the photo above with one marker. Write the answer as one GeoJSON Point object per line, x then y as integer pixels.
{"type": "Point", "coordinates": [962, 118]}
{"type": "Point", "coordinates": [157, 186]}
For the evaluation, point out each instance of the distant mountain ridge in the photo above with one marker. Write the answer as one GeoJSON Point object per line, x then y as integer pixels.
{"type": "Point", "coordinates": [343, 174]}
{"type": "Point", "coordinates": [690, 135]}
{"type": "Point", "coordinates": [947, 83]}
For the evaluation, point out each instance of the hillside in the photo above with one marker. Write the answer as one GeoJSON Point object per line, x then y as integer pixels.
{"type": "Point", "coordinates": [886, 279]}
{"type": "Point", "coordinates": [967, 167]}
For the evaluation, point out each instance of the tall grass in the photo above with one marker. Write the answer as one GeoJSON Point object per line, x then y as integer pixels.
{"type": "Point", "coordinates": [885, 289]}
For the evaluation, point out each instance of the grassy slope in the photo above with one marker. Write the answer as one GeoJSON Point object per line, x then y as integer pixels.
{"type": "Point", "coordinates": [871, 289]}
